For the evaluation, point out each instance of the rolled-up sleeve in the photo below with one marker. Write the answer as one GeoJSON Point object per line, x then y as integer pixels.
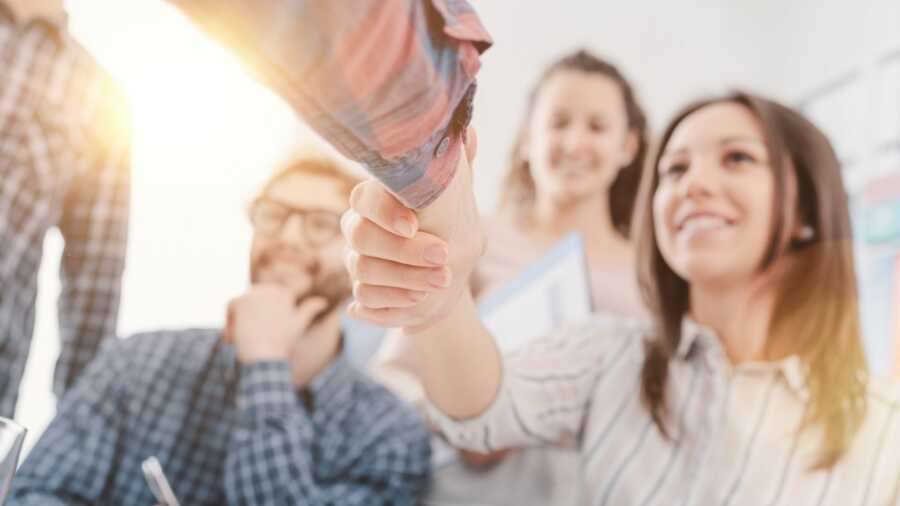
{"type": "Point", "coordinates": [389, 83]}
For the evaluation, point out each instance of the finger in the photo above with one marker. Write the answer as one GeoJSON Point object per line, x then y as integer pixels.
{"type": "Point", "coordinates": [308, 310]}
{"type": "Point", "coordinates": [379, 297]}
{"type": "Point", "coordinates": [367, 238]}
{"type": "Point", "coordinates": [375, 271]}
{"type": "Point", "coordinates": [374, 202]}
{"type": "Point", "coordinates": [388, 318]}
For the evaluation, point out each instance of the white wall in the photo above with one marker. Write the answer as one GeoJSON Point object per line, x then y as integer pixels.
{"type": "Point", "coordinates": [672, 51]}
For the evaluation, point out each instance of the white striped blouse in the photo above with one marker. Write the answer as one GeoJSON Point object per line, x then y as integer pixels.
{"type": "Point", "coordinates": [734, 443]}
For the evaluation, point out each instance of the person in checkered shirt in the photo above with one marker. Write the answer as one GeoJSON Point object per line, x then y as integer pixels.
{"type": "Point", "coordinates": [264, 411]}
{"type": "Point", "coordinates": [64, 163]}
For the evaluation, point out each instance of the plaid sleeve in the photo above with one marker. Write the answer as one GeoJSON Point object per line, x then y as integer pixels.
{"type": "Point", "coordinates": [282, 454]}
{"type": "Point", "coordinates": [94, 225]}
{"type": "Point", "coordinates": [74, 458]}
{"type": "Point", "coordinates": [388, 82]}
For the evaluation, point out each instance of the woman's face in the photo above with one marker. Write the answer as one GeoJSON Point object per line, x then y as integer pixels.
{"type": "Point", "coordinates": [578, 136]}
{"type": "Point", "coordinates": [712, 208]}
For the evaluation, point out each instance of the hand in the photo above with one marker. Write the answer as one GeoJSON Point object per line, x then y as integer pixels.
{"type": "Point", "coordinates": [317, 347]}
{"type": "Point", "coordinates": [404, 277]}
{"type": "Point", "coordinates": [265, 323]}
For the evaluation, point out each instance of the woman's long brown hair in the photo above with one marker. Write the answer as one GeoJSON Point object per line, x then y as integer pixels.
{"type": "Point", "coordinates": [816, 314]}
{"type": "Point", "coordinates": [519, 192]}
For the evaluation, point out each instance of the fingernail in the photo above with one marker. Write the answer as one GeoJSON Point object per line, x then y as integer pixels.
{"type": "Point", "coordinates": [439, 279]}
{"type": "Point", "coordinates": [404, 227]}
{"type": "Point", "coordinates": [436, 254]}
{"type": "Point", "coordinates": [418, 296]}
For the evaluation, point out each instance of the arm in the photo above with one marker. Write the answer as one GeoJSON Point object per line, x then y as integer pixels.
{"type": "Point", "coordinates": [388, 82]}
{"type": "Point", "coordinates": [394, 364]}
{"type": "Point", "coordinates": [94, 225]}
{"type": "Point", "coordinates": [445, 326]}
{"type": "Point", "coordinates": [283, 455]}
{"type": "Point", "coordinates": [76, 457]}
{"type": "Point", "coordinates": [538, 395]}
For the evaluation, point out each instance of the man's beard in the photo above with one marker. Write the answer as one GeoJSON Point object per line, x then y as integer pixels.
{"type": "Point", "coordinates": [333, 286]}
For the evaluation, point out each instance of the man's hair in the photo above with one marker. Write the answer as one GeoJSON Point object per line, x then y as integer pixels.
{"type": "Point", "coordinates": [325, 167]}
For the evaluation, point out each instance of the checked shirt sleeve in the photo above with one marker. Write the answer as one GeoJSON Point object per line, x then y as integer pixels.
{"type": "Point", "coordinates": [283, 454]}
{"type": "Point", "coordinates": [72, 462]}
{"type": "Point", "coordinates": [94, 225]}
{"type": "Point", "coordinates": [389, 83]}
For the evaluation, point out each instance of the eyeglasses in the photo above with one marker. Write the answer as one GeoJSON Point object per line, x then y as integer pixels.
{"type": "Point", "coordinates": [319, 226]}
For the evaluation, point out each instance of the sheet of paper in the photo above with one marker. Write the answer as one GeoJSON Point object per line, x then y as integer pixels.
{"type": "Point", "coordinates": [551, 292]}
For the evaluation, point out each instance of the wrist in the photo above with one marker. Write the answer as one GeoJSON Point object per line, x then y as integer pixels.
{"type": "Point", "coordinates": [459, 315]}
{"type": "Point", "coordinates": [265, 387]}
{"type": "Point", "coordinates": [263, 354]}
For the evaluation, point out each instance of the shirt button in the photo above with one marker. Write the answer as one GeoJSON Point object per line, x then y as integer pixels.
{"type": "Point", "coordinates": [442, 147]}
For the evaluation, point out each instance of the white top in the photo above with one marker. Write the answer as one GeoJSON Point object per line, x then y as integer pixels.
{"type": "Point", "coordinates": [530, 476]}
{"type": "Point", "coordinates": [736, 443]}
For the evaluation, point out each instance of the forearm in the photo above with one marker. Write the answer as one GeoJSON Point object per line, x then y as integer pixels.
{"type": "Point", "coordinates": [459, 362]}
{"type": "Point", "coordinates": [394, 366]}
{"type": "Point", "coordinates": [389, 83]}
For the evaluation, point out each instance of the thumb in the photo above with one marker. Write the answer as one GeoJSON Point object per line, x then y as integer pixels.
{"type": "Point", "coordinates": [308, 310]}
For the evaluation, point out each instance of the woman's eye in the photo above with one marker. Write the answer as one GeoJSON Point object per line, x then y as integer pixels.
{"type": "Point", "coordinates": [559, 122]}
{"type": "Point", "coordinates": [736, 157]}
{"type": "Point", "coordinates": [597, 127]}
{"type": "Point", "coordinates": [674, 169]}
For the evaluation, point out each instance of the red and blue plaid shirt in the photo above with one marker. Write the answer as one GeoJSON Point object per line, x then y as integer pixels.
{"type": "Point", "coordinates": [388, 82]}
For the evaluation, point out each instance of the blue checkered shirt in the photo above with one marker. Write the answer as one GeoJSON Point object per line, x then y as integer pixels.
{"type": "Point", "coordinates": [224, 433]}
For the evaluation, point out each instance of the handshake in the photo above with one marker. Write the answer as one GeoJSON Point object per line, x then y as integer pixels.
{"type": "Point", "coordinates": [412, 270]}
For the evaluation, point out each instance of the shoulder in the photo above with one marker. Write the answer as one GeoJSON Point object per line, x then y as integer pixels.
{"type": "Point", "coordinates": [147, 354]}
{"type": "Point", "coordinates": [884, 397]}
{"type": "Point", "coordinates": [504, 234]}
{"type": "Point", "coordinates": [508, 251]}
{"type": "Point", "coordinates": [78, 85]}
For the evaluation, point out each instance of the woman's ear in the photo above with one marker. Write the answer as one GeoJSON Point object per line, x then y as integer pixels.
{"type": "Point", "coordinates": [632, 145]}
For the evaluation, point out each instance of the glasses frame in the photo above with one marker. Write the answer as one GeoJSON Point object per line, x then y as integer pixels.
{"type": "Point", "coordinates": [291, 211]}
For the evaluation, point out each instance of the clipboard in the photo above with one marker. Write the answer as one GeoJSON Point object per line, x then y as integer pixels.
{"type": "Point", "coordinates": [546, 295]}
